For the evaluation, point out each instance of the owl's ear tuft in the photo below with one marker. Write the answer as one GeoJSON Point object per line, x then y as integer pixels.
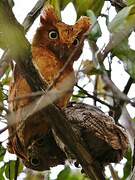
{"type": "Point", "coordinates": [84, 24]}
{"type": "Point", "coordinates": [48, 15]}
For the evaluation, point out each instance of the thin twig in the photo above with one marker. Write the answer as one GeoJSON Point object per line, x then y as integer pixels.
{"type": "Point", "coordinates": [3, 130]}
{"type": "Point", "coordinates": [28, 95]}
{"type": "Point", "coordinates": [128, 85]}
{"type": "Point", "coordinates": [94, 97]}
{"type": "Point", "coordinates": [9, 171]}
{"type": "Point", "coordinates": [113, 173]}
{"type": "Point", "coordinates": [2, 153]}
{"type": "Point", "coordinates": [2, 107]}
{"type": "Point", "coordinates": [118, 3]}
{"type": "Point", "coordinates": [16, 168]}
{"type": "Point", "coordinates": [117, 93]}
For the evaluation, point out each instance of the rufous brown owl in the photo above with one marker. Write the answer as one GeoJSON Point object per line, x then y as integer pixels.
{"type": "Point", "coordinates": [52, 45]}
{"type": "Point", "coordinates": [101, 137]}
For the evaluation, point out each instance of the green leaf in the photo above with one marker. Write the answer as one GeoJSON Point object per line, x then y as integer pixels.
{"type": "Point", "coordinates": [96, 30]}
{"type": "Point", "coordinates": [1, 173]}
{"type": "Point", "coordinates": [11, 3]}
{"type": "Point", "coordinates": [126, 54]}
{"type": "Point", "coordinates": [68, 174]}
{"type": "Point", "coordinates": [97, 7]}
{"type": "Point", "coordinates": [130, 2]}
{"type": "Point", "coordinates": [20, 169]}
{"type": "Point", "coordinates": [7, 79]}
{"type": "Point", "coordinates": [127, 167]}
{"type": "Point", "coordinates": [90, 68]}
{"type": "Point", "coordinates": [2, 42]}
{"type": "Point", "coordinates": [2, 152]}
{"type": "Point", "coordinates": [82, 6]}
{"type": "Point", "coordinates": [10, 169]}
{"type": "Point", "coordinates": [56, 5]}
{"type": "Point", "coordinates": [1, 96]}
{"type": "Point", "coordinates": [64, 3]}
{"type": "Point", "coordinates": [64, 174]}
{"type": "Point", "coordinates": [121, 26]}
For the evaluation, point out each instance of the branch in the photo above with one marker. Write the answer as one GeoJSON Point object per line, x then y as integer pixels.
{"type": "Point", "coordinates": [128, 85]}
{"type": "Point", "coordinates": [32, 15]}
{"type": "Point", "coordinates": [4, 108]}
{"type": "Point", "coordinates": [113, 173]}
{"type": "Point", "coordinates": [133, 174]}
{"type": "Point", "coordinates": [117, 93]}
{"type": "Point", "coordinates": [17, 162]}
{"type": "Point", "coordinates": [3, 130]}
{"type": "Point", "coordinates": [121, 102]}
{"type": "Point", "coordinates": [120, 97]}
{"type": "Point", "coordinates": [94, 97]}
{"type": "Point", "coordinates": [118, 4]}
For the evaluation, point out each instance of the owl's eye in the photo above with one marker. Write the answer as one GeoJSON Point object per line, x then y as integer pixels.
{"type": "Point", "coordinates": [76, 42]}
{"type": "Point", "coordinates": [40, 141]}
{"type": "Point", "coordinates": [53, 34]}
{"type": "Point", "coordinates": [35, 162]}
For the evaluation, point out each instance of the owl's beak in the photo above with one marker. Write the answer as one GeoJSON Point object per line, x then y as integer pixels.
{"type": "Point", "coordinates": [64, 52]}
{"type": "Point", "coordinates": [61, 54]}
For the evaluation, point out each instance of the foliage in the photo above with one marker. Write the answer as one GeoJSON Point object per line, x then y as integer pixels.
{"type": "Point", "coordinates": [68, 174]}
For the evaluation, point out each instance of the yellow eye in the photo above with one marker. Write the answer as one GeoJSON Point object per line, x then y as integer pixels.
{"type": "Point", "coordinates": [53, 34]}
{"type": "Point", "coordinates": [76, 42]}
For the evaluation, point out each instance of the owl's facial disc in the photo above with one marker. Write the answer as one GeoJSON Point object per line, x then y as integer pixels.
{"type": "Point", "coordinates": [63, 50]}
{"type": "Point", "coordinates": [43, 153]}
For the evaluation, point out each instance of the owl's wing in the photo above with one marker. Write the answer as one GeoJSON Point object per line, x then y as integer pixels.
{"type": "Point", "coordinates": [18, 88]}
{"type": "Point", "coordinates": [12, 107]}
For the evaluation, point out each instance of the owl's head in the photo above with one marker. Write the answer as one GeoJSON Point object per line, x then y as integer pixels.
{"type": "Point", "coordinates": [58, 37]}
{"type": "Point", "coordinates": [43, 153]}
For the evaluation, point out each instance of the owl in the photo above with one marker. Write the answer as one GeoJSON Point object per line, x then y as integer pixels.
{"type": "Point", "coordinates": [101, 137]}
{"type": "Point", "coordinates": [53, 43]}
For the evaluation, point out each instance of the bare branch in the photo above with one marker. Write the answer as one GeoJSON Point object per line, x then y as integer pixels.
{"type": "Point", "coordinates": [3, 130]}
{"type": "Point", "coordinates": [32, 15]}
{"type": "Point", "coordinates": [118, 4]}
{"type": "Point", "coordinates": [133, 174]}
{"type": "Point", "coordinates": [117, 93]}
{"type": "Point", "coordinates": [4, 108]}
{"type": "Point", "coordinates": [113, 173]}
{"type": "Point", "coordinates": [94, 97]}
{"type": "Point", "coordinates": [16, 168]}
